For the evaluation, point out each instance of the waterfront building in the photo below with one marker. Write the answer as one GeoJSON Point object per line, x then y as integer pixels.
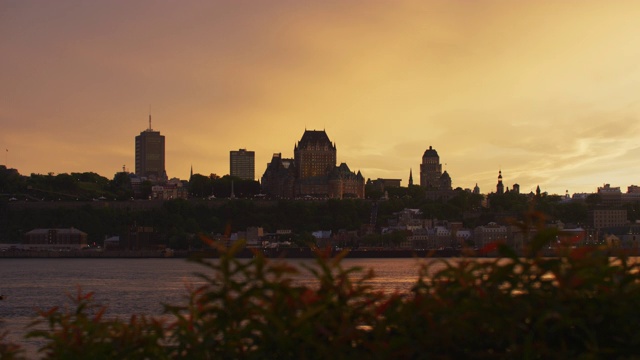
{"type": "Point", "coordinates": [626, 237]}
{"type": "Point", "coordinates": [55, 239]}
{"type": "Point", "coordinates": [150, 159]}
{"type": "Point", "coordinates": [492, 232]}
{"type": "Point", "coordinates": [142, 238]}
{"type": "Point", "coordinates": [242, 164]}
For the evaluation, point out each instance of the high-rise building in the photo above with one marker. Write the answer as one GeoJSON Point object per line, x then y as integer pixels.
{"type": "Point", "coordinates": [150, 155]}
{"type": "Point", "coordinates": [430, 169]}
{"type": "Point", "coordinates": [242, 164]}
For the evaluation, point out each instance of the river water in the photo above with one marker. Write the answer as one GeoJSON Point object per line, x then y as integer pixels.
{"type": "Point", "coordinates": [138, 286]}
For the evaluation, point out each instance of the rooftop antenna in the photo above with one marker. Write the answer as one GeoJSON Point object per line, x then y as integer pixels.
{"type": "Point", "coordinates": [150, 128]}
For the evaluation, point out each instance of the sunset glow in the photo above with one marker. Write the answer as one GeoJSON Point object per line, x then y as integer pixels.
{"type": "Point", "coordinates": [546, 91]}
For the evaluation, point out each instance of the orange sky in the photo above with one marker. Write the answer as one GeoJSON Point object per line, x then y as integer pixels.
{"type": "Point", "coordinates": [547, 91]}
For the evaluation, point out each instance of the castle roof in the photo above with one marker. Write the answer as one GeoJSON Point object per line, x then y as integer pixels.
{"type": "Point", "coordinates": [343, 172]}
{"type": "Point", "coordinates": [314, 137]}
{"type": "Point", "coordinates": [278, 163]}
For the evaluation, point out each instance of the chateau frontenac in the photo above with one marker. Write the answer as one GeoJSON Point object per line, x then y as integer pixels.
{"type": "Point", "coordinates": [312, 172]}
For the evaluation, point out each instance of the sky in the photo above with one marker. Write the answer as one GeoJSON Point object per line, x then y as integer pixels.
{"type": "Point", "coordinates": [545, 91]}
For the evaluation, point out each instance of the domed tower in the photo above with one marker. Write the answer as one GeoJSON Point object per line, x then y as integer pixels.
{"type": "Point", "coordinates": [445, 181]}
{"type": "Point", "coordinates": [500, 186]}
{"type": "Point", "coordinates": [430, 169]}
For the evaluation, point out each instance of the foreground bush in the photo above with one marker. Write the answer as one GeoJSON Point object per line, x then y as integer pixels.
{"type": "Point", "coordinates": [580, 304]}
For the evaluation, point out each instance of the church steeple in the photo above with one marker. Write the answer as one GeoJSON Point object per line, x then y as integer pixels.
{"type": "Point", "coordinates": [500, 186]}
{"type": "Point", "coordinates": [410, 177]}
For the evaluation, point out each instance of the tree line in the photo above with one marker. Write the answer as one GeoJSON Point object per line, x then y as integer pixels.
{"type": "Point", "coordinates": [179, 220]}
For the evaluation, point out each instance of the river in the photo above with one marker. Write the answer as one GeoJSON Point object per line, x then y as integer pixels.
{"type": "Point", "coordinates": [137, 286]}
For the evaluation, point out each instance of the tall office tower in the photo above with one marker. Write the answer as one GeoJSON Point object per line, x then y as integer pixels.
{"type": "Point", "coordinates": [242, 164]}
{"type": "Point", "coordinates": [150, 155]}
{"type": "Point", "coordinates": [430, 169]}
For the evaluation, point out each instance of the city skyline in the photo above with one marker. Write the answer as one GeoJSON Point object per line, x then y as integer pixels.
{"type": "Point", "coordinates": [543, 90]}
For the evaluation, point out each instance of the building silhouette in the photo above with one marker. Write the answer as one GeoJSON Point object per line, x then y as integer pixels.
{"type": "Point", "coordinates": [436, 183]}
{"type": "Point", "coordinates": [312, 172]}
{"type": "Point", "coordinates": [242, 164]}
{"type": "Point", "coordinates": [444, 183]}
{"type": "Point", "coordinates": [55, 239]}
{"type": "Point", "coordinates": [500, 185]}
{"type": "Point", "coordinates": [150, 160]}
{"type": "Point", "coordinates": [279, 178]}
{"type": "Point", "coordinates": [430, 169]}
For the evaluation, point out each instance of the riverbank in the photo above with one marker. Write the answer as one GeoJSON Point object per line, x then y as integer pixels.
{"type": "Point", "coordinates": [292, 253]}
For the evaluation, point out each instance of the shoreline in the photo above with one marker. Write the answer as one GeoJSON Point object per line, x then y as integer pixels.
{"type": "Point", "coordinates": [246, 253]}
{"type": "Point", "coordinates": [286, 253]}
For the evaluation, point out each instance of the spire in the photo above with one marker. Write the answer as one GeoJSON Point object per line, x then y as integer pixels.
{"type": "Point", "coordinates": [150, 122]}
{"type": "Point", "coordinates": [410, 177]}
{"type": "Point", "coordinates": [500, 186]}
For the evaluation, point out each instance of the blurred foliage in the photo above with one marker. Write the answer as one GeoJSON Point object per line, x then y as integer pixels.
{"type": "Point", "coordinates": [580, 304]}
